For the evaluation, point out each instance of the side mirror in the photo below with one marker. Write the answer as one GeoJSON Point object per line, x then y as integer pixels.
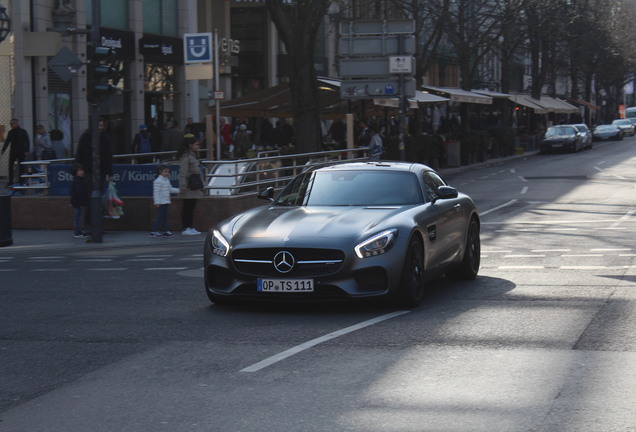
{"type": "Point", "coordinates": [267, 194]}
{"type": "Point", "coordinates": [446, 192]}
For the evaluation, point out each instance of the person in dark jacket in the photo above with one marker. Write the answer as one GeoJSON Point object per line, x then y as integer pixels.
{"type": "Point", "coordinates": [79, 199]}
{"type": "Point", "coordinates": [18, 140]}
{"type": "Point", "coordinates": [84, 157]}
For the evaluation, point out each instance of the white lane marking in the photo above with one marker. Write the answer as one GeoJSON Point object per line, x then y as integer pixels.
{"type": "Point", "coordinates": [593, 267]}
{"type": "Point", "coordinates": [45, 258]}
{"type": "Point", "coordinates": [304, 346]}
{"type": "Point", "coordinates": [146, 259]}
{"type": "Point", "coordinates": [523, 179]}
{"type": "Point", "coordinates": [498, 207]}
{"type": "Point", "coordinates": [627, 255]}
{"type": "Point", "coordinates": [51, 270]}
{"type": "Point", "coordinates": [524, 190]}
{"type": "Point", "coordinates": [94, 260]}
{"type": "Point", "coordinates": [165, 268]}
{"type": "Point", "coordinates": [521, 267]}
{"type": "Point", "coordinates": [496, 251]}
{"type": "Point", "coordinates": [610, 250]}
{"type": "Point", "coordinates": [582, 255]}
{"type": "Point", "coordinates": [524, 256]}
{"type": "Point", "coordinates": [550, 250]}
{"type": "Point", "coordinates": [623, 219]}
{"type": "Point", "coordinates": [108, 269]}
{"type": "Point", "coordinates": [513, 171]}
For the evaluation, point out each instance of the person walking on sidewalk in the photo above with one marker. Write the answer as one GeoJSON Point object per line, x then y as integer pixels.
{"type": "Point", "coordinates": [161, 190]}
{"type": "Point", "coordinates": [189, 166]}
{"type": "Point", "coordinates": [18, 140]}
{"type": "Point", "coordinates": [79, 199]}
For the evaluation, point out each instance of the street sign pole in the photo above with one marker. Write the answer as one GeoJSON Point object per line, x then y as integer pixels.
{"type": "Point", "coordinates": [217, 102]}
{"type": "Point", "coordinates": [403, 102]}
{"type": "Point", "coordinates": [96, 193]}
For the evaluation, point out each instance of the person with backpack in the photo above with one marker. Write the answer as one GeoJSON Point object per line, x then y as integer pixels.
{"type": "Point", "coordinates": [142, 143]}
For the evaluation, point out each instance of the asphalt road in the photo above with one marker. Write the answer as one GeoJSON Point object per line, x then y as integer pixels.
{"type": "Point", "coordinates": [543, 340]}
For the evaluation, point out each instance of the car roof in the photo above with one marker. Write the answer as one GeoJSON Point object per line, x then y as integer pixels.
{"type": "Point", "coordinates": [379, 165]}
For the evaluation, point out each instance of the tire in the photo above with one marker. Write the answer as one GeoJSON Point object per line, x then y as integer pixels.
{"type": "Point", "coordinates": [411, 289]}
{"type": "Point", "coordinates": [468, 268]}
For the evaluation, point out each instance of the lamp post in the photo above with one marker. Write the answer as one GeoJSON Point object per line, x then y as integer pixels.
{"type": "Point", "coordinates": [5, 23]}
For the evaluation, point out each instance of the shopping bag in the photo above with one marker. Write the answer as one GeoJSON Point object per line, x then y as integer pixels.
{"type": "Point", "coordinates": [113, 205]}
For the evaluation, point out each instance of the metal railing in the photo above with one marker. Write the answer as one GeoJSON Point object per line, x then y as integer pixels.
{"type": "Point", "coordinates": [223, 178]}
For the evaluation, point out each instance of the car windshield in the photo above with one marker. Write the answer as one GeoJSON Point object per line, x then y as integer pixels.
{"type": "Point", "coordinates": [559, 131]}
{"type": "Point", "coordinates": [352, 188]}
{"type": "Point", "coordinates": [605, 127]}
{"type": "Point", "coordinates": [622, 122]}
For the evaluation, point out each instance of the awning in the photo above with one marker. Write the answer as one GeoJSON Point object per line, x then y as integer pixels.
{"type": "Point", "coordinates": [458, 95]}
{"type": "Point", "coordinates": [276, 101]}
{"type": "Point", "coordinates": [414, 102]}
{"type": "Point", "coordinates": [492, 94]}
{"type": "Point", "coordinates": [528, 102]}
{"type": "Point", "coordinates": [558, 106]}
{"type": "Point", "coordinates": [584, 103]}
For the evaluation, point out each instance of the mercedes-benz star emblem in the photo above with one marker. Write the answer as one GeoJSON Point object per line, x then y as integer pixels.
{"type": "Point", "coordinates": [284, 262]}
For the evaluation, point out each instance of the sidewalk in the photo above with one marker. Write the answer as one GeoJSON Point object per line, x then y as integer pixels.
{"type": "Point", "coordinates": [63, 239]}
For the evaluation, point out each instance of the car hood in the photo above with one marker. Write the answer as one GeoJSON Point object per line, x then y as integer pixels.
{"type": "Point", "coordinates": [558, 137]}
{"type": "Point", "coordinates": [288, 224]}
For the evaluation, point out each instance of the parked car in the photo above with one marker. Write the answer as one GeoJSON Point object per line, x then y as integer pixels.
{"type": "Point", "coordinates": [607, 132]}
{"type": "Point", "coordinates": [626, 126]}
{"type": "Point", "coordinates": [561, 138]}
{"type": "Point", "coordinates": [346, 231]}
{"type": "Point", "coordinates": [586, 135]}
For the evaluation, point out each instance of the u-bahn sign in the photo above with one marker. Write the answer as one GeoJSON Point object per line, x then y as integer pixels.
{"type": "Point", "coordinates": [197, 47]}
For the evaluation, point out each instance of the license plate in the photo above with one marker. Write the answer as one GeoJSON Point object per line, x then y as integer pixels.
{"type": "Point", "coordinates": [285, 285]}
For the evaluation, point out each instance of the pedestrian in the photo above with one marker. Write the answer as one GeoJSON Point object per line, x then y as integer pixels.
{"type": "Point", "coordinates": [242, 141]}
{"type": "Point", "coordinates": [84, 156]}
{"type": "Point", "coordinates": [57, 143]}
{"type": "Point", "coordinates": [43, 149]}
{"type": "Point", "coordinates": [226, 136]}
{"type": "Point", "coordinates": [172, 138]}
{"type": "Point", "coordinates": [364, 137]}
{"type": "Point", "coordinates": [188, 169]}
{"type": "Point", "coordinates": [79, 199]}
{"type": "Point", "coordinates": [161, 190]}
{"type": "Point", "coordinates": [142, 143]}
{"type": "Point", "coordinates": [18, 140]}
{"type": "Point", "coordinates": [376, 149]}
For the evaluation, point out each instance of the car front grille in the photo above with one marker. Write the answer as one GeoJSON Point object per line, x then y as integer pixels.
{"type": "Point", "coordinates": [307, 262]}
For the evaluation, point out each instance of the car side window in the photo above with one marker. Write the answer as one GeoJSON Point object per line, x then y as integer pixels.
{"type": "Point", "coordinates": [432, 181]}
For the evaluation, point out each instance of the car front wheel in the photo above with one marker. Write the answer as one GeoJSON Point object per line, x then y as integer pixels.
{"type": "Point", "coordinates": [469, 266]}
{"type": "Point", "coordinates": [411, 288]}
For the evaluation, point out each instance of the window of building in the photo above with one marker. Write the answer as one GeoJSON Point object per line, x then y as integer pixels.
{"type": "Point", "coordinates": [113, 13]}
{"type": "Point", "coordinates": [160, 17]}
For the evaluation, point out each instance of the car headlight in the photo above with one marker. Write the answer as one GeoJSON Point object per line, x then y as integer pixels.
{"type": "Point", "coordinates": [220, 246]}
{"type": "Point", "coordinates": [376, 245]}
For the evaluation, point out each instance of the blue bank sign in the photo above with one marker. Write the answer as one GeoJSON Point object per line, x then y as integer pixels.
{"type": "Point", "coordinates": [197, 47]}
{"type": "Point", "coordinates": [131, 180]}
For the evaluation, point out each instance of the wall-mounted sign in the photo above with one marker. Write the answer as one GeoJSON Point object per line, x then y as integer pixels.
{"type": "Point", "coordinates": [197, 47]}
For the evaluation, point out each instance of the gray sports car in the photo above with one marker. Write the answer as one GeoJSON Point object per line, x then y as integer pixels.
{"type": "Point", "coordinates": [346, 231]}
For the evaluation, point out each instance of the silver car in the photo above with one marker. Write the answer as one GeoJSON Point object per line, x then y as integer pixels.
{"type": "Point", "coordinates": [626, 126]}
{"type": "Point", "coordinates": [346, 231]}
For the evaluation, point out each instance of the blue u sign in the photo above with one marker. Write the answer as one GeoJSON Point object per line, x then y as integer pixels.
{"type": "Point", "coordinates": [197, 47]}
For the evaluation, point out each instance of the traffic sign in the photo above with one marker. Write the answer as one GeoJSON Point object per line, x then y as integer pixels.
{"type": "Point", "coordinates": [65, 64]}
{"type": "Point", "coordinates": [197, 47]}
{"type": "Point", "coordinates": [375, 66]}
{"type": "Point", "coordinates": [401, 64]}
{"type": "Point", "coordinates": [365, 89]}
{"type": "Point", "coordinates": [375, 45]}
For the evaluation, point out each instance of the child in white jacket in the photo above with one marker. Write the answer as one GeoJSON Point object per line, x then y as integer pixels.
{"type": "Point", "coordinates": [161, 190]}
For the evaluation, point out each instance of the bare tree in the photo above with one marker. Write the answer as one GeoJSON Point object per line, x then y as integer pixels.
{"type": "Point", "coordinates": [297, 23]}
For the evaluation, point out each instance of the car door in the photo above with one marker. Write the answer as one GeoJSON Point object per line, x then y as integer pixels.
{"type": "Point", "coordinates": [447, 230]}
